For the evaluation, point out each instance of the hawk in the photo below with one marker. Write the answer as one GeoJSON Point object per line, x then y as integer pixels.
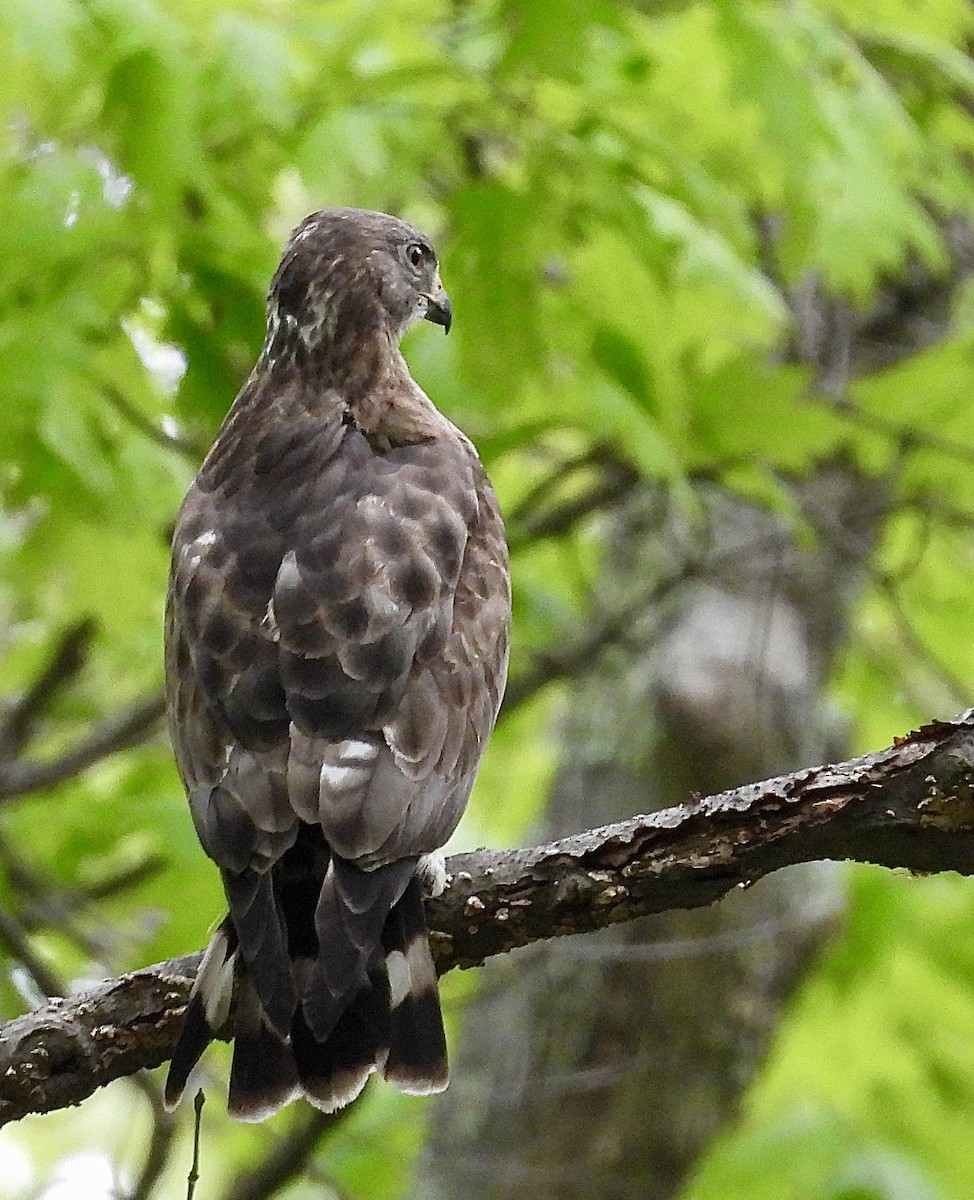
{"type": "Point", "coordinates": [336, 651]}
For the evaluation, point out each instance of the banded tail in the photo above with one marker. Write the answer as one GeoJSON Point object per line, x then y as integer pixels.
{"type": "Point", "coordinates": [366, 1001]}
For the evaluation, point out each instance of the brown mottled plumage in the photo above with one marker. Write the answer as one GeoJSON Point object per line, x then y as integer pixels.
{"type": "Point", "coordinates": [336, 650]}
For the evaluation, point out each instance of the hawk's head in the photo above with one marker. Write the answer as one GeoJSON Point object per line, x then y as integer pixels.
{"type": "Point", "coordinates": [350, 275]}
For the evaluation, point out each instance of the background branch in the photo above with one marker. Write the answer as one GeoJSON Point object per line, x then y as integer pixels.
{"type": "Point", "coordinates": [19, 715]}
{"type": "Point", "coordinates": [911, 805]}
{"type": "Point", "coordinates": [288, 1159]}
{"type": "Point", "coordinates": [129, 728]}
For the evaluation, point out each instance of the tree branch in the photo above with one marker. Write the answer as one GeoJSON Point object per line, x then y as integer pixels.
{"type": "Point", "coordinates": [119, 732]}
{"type": "Point", "coordinates": [19, 715]}
{"type": "Point", "coordinates": [288, 1159]}
{"type": "Point", "coordinates": [909, 806]}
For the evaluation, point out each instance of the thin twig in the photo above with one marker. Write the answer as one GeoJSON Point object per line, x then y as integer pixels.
{"type": "Point", "coordinates": [539, 493]}
{"type": "Point", "coordinates": [561, 519]}
{"type": "Point", "coordinates": [909, 436]}
{"type": "Point", "coordinates": [64, 664]}
{"type": "Point", "coordinates": [14, 938]}
{"type": "Point", "coordinates": [956, 688]}
{"type": "Point", "coordinates": [288, 1158]}
{"type": "Point", "coordinates": [929, 507]}
{"type": "Point", "coordinates": [191, 448]}
{"type": "Point", "coordinates": [164, 1127]}
{"type": "Point", "coordinates": [581, 652]}
{"type": "Point", "coordinates": [149, 865]}
{"type": "Point", "coordinates": [194, 1171]}
{"type": "Point", "coordinates": [46, 903]}
{"type": "Point", "coordinates": [538, 516]}
{"type": "Point", "coordinates": [550, 665]}
{"type": "Point", "coordinates": [120, 732]}
{"type": "Point", "coordinates": [548, 486]}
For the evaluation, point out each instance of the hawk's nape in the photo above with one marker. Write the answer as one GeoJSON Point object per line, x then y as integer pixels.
{"type": "Point", "coordinates": [336, 650]}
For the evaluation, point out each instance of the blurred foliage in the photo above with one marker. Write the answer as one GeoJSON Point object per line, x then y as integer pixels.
{"type": "Point", "coordinates": [630, 201]}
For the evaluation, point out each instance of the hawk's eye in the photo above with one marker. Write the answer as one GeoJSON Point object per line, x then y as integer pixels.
{"type": "Point", "coordinates": [416, 254]}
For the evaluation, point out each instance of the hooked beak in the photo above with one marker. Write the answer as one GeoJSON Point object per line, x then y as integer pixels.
{"type": "Point", "coordinates": [439, 309]}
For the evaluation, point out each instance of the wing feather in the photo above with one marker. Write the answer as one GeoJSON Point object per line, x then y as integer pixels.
{"type": "Point", "coordinates": [344, 622]}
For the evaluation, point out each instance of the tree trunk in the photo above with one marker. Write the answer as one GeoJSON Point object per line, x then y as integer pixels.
{"type": "Point", "coordinates": [604, 1066]}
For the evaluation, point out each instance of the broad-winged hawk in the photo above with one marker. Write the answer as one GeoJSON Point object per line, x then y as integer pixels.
{"type": "Point", "coordinates": [336, 650]}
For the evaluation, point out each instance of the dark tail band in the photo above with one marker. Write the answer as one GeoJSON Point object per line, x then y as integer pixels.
{"type": "Point", "coordinates": [390, 1021]}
